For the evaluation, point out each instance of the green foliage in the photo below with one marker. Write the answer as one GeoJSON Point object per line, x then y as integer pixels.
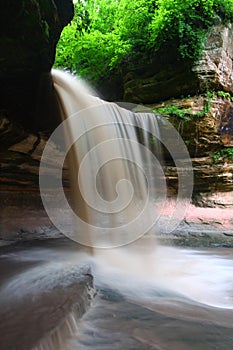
{"type": "Point", "coordinates": [132, 23]}
{"type": "Point", "coordinates": [175, 111]}
{"type": "Point", "coordinates": [102, 14]}
{"type": "Point", "coordinates": [224, 94]}
{"type": "Point", "coordinates": [186, 113]}
{"type": "Point", "coordinates": [106, 34]}
{"type": "Point", "coordinates": [89, 45]}
{"type": "Point", "coordinates": [223, 154]}
{"type": "Point", "coordinates": [97, 51]}
{"type": "Point", "coordinates": [68, 43]}
{"type": "Point", "coordinates": [81, 21]}
{"type": "Point", "coordinates": [176, 21]}
{"type": "Point", "coordinates": [185, 23]}
{"type": "Point", "coordinates": [206, 104]}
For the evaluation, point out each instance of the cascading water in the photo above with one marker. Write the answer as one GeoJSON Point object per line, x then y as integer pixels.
{"type": "Point", "coordinates": [113, 197]}
{"type": "Point", "coordinates": [150, 296]}
{"type": "Point", "coordinates": [118, 184]}
{"type": "Point", "coordinates": [119, 190]}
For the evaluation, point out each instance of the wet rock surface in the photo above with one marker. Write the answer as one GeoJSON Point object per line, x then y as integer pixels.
{"type": "Point", "coordinates": [143, 326]}
{"type": "Point", "coordinates": [23, 219]}
{"type": "Point", "coordinates": [21, 153]}
{"type": "Point", "coordinates": [43, 283]}
{"type": "Point", "coordinates": [39, 289]}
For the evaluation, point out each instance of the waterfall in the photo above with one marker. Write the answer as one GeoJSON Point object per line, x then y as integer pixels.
{"type": "Point", "coordinates": [118, 192]}
{"type": "Point", "coordinates": [117, 182]}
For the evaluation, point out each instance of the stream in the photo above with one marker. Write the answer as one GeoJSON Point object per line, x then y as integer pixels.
{"type": "Point", "coordinates": [57, 295]}
{"type": "Point", "coordinates": [165, 298]}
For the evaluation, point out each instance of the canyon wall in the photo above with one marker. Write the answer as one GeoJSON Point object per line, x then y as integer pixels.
{"type": "Point", "coordinates": [207, 132]}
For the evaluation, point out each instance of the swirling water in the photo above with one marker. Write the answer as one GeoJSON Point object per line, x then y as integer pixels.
{"type": "Point", "coordinates": [165, 298]}
{"type": "Point", "coordinates": [168, 298]}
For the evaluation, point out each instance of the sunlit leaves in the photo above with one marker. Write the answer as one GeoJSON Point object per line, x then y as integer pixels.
{"type": "Point", "coordinates": [107, 34]}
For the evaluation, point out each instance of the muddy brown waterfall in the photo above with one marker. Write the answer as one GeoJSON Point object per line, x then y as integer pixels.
{"type": "Point", "coordinates": [113, 175]}
{"type": "Point", "coordinates": [147, 295]}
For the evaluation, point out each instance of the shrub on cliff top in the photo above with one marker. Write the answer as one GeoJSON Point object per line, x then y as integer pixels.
{"type": "Point", "coordinates": [185, 23]}
{"type": "Point", "coordinates": [106, 34]}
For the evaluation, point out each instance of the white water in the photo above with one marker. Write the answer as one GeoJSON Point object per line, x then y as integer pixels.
{"type": "Point", "coordinates": [184, 285]}
{"type": "Point", "coordinates": [173, 272]}
{"type": "Point", "coordinates": [117, 183]}
{"type": "Point", "coordinates": [142, 265]}
{"type": "Point", "coordinates": [179, 283]}
{"type": "Point", "coordinates": [118, 192]}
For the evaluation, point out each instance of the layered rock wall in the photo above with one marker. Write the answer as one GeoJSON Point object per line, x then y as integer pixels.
{"type": "Point", "coordinates": [25, 81]}
{"type": "Point", "coordinates": [209, 140]}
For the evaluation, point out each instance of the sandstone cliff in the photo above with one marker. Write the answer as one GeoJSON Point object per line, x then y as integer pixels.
{"type": "Point", "coordinates": [206, 126]}
{"type": "Point", "coordinates": [205, 122]}
{"type": "Point", "coordinates": [204, 118]}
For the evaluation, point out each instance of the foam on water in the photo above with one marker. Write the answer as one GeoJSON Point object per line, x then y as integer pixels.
{"type": "Point", "coordinates": [121, 194]}
{"type": "Point", "coordinates": [167, 271]}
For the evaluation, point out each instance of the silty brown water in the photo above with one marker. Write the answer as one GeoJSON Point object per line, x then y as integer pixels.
{"type": "Point", "coordinates": [148, 296]}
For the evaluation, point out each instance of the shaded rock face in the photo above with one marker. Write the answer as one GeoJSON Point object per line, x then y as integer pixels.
{"type": "Point", "coordinates": [158, 80]}
{"type": "Point", "coordinates": [166, 76]}
{"type": "Point", "coordinates": [22, 214]}
{"type": "Point", "coordinates": [29, 31]}
{"type": "Point", "coordinates": [226, 124]}
{"type": "Point", "coordinates": [20, 154]}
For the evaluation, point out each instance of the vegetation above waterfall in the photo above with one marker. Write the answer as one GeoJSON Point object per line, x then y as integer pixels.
{"type": "Point", "coordinates": [107, 34]}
